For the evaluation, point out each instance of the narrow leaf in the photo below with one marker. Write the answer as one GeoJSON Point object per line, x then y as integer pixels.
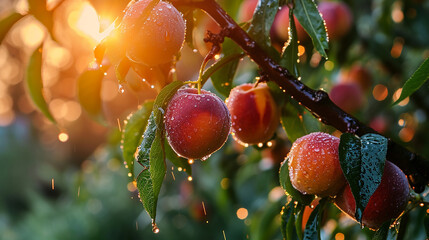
{"type": "Point", "coordinates": [145, 187]}
{"type": "Point", "coordinates": [374, 150]}
{"type": "Point", "coordinates": [287, 185]}
{"type": "Point", "coordinates": [179, 162]}
{"type": "Point", "coordinates": [262, 21]}
{"type": "Point", "coordinates": [309, 17]}
{"type": "Point", "coordinates": [312, 229]}
{"type": "Point", "coordinates": [7, 23]}
{"type": "Point", "coordinates": [157, 167]}
{"type": "Point", "coordinates": [35, 83]}
{"type": "Point", "coordinates": [419, 77]}
{"type": "Point", "coordinates": [132, 133]}
{"type": "Point", "coordinates": [89, 92]}
{"type": "Point", "coordinates": [289, 58]}
{"type": "Point", "coordinates": [146, 144]}
{"type": "Point", "coordinates": [287, 217]}
{"type": "Point", "coordinates": [362, 161]}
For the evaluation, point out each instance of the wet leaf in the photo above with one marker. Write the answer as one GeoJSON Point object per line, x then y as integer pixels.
{"type": "Point", "coordinates": [89, 92]}
{"type": "Point", "coordinates": [419, 77]}
{"type": "Point", "coordinates": [312, 229]}
{"type": "Point", "coordinates": [288, 221]}
{"type": "Point", "coordinates": [35, 83]}
{"type": "Point", "coordinates": [143, 155]}
{"type": "Point", "coordinates": [309, 17]}
{"type": "Point", "coordinates": [362, 161]}
{"type": "Point", "coordinates": [132, 133]}
{"type": "Point", "coordinates": [7, 23]}
{"type": "Point", "coordinates": [287, 185]}
{"type": "Point", "coordinates": [385, 232]}
{"type": "Point", "coordinates": [189, 19]}
{"type": "Point", "coordinates": [262, 21]}
{"type": "Point", "coordinates": [176, 160]}
{"type": "Point", "coordinates": [289, 58]}
{"type": "Point", "coordinates": [225, 67]}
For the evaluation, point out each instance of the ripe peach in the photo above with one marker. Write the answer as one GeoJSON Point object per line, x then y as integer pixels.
{"type": "Point", "coordinates": [314, 165]}
{"type": "Point", "coordinates": [196, 124]}
{"type": "Point", "coordinates": [280, 28]}
{"type": "Point", "coordinates": [387, 202]}
{"type": "Point", "coordinates": [247, 9]}
{"type": "Point", "coordinates": [348, 96]}
{"type": "Point", "coordinates": [154, 40]}
{"type": "Point", "coordinates": [255, 114]}
{"type": "Point", "coordinates": [338, 18]}
{"type": "Point", "coordinates": [357, 74]}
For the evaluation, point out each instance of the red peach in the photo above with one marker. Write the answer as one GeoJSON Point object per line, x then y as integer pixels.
{"type": "Point", "coordinates": [347, 96]}
{"type": "Point", "coordinates": [338, 18]}
{"type": "Point", "coordinates": [357, 74]}
{"type": "Point", "coordinates": [387, 202]}
{"type": "Point", "coordinates": [255, 114]}
{"type": "Point", "coordinates": [196, 124]}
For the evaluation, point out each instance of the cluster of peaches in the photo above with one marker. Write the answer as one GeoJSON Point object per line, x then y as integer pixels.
{"type": "Point", "coordinates": [198, 123]}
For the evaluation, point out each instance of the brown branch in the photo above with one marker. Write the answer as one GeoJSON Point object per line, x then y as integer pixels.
{"type": "Point", "coordinates": [316, 101]}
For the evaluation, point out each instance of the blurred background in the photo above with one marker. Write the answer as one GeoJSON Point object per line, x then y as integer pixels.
{"type": "Point", "coordinates": [68, 181]}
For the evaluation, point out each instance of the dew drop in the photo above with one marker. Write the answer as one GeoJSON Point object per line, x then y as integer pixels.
{"type": "Point", "coordinates": [121, 88]}
{"type": "Point", "coordinates": [155, 228]}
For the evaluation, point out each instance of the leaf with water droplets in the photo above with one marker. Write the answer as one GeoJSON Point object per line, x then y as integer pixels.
{"type": "Point", "coordinates": [289, 58]}
{"type": "Point", "coordinates": [312, 229]}
{"type": "Point", "coordinates": [309, 17]}
{"type": "Point", "coordinates": [132, 133]}
{"type": "Point", "coordinates": [287, 185]}
{"type": "Point", "coordinates": [419, 77]}
{"type": "Point", "coordinates": [7, 23]}
{"type": "Point", "coordinates": [362, 161]}
{"type": "Point", "coordinates": [35, 83]}
{"type": "Point", "coordinates": [262, 21]}
{"type": "Point", "coordinates": [288, 221]}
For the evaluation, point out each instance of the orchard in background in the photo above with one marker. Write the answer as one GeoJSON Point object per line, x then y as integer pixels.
{"type": "Point", "coordinates": [309, 118]}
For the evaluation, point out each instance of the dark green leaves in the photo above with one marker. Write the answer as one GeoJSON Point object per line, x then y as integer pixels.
{"type": "Point", "coordinates": [312, 229]}
{"type": "Point", "coordinates": [288, 221]}
{"type": "Point", "coordinates": [287, 185]}
{"type": "Point", "coordinates": [7, 23]}
{"type": "Point", "coordinates": [35, 83]}
{"type": "Point", "coordinates": [263, 18]}
{"type": "Point", "coordinates": [309, 17]}
{"type": "Point", "coordinates": [152, 152]}
{"type": "Point", "coordinates": [290, 55]}
{"type": "Point", "coordinates": [362, 161]}
{"type": "Point", "coordinates": [133, 133]}
{"type": "Point", "coordinates": [89, 92]}
{"type": "Point", "coordinates": [420, 76]}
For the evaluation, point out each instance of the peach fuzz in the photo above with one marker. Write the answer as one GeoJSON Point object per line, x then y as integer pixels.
{"type": "Point", "coordinates": [196, 124]}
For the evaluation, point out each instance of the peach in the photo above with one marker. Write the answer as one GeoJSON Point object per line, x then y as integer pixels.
{"type": "Point", "coordinates": [255, 114]}
{"type": "Point", "coordinates": [314, 165]}
{"type": "Point", "coordinates": [155, 40]}
{"type": "Point", "coordinates": [387, 202]}
{"type": "Point", "coordinates": [196, 124]}
{"type": "Point", "coordinates": [338, 18]}
{"type": "Point", "coordinates": [347, 96]}
{"type": "Point", "coordinates": [200, 32]}
{"type": "Point", "coordinates": [247, 9]}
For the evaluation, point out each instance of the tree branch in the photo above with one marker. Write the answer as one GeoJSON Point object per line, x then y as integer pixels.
{"type": "Point", "coordinates": [316, 101]}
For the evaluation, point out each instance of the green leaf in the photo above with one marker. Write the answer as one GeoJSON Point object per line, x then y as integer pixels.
{"type": "Point", "coordinates": [362, 161]}
{"type": "Point", "coordinates": [176, 160]}
{"type": "Point", "coordinates": [312, 229]}
{"type": "Point", "coordinates": [152, 154]}
{"type": "Point", "coordinates": [287, 221]}
{"type": "Point", "coordinates": [189, 36]}
{"type": "Point", "coordinates": [419, 77]}
{"type": "Point", "coordinates": [287, 185]}
{"type": "Point", "coordinates": [426, 224]}
{"type": "Point", "coordinates": [292, 122]}
{"type": "Point", "coordinates": [309, 17]}
{"type": "Point", "coordinates": [262, 21]}
{"type": "Point", "coordinates": [382, 232]}
{"type": "Point", "coordinates": [225, 68]}
{"type": "Point", "coordinates": [89, 92]}
{"type": "Point", "coordinates": [132, 133]}
{"type": "Point", "coordinates": [35, 83]}
{"type": "Point", "coordinates": [289, 58]}
{"type": "Point", "coordinates": [7, 23]}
